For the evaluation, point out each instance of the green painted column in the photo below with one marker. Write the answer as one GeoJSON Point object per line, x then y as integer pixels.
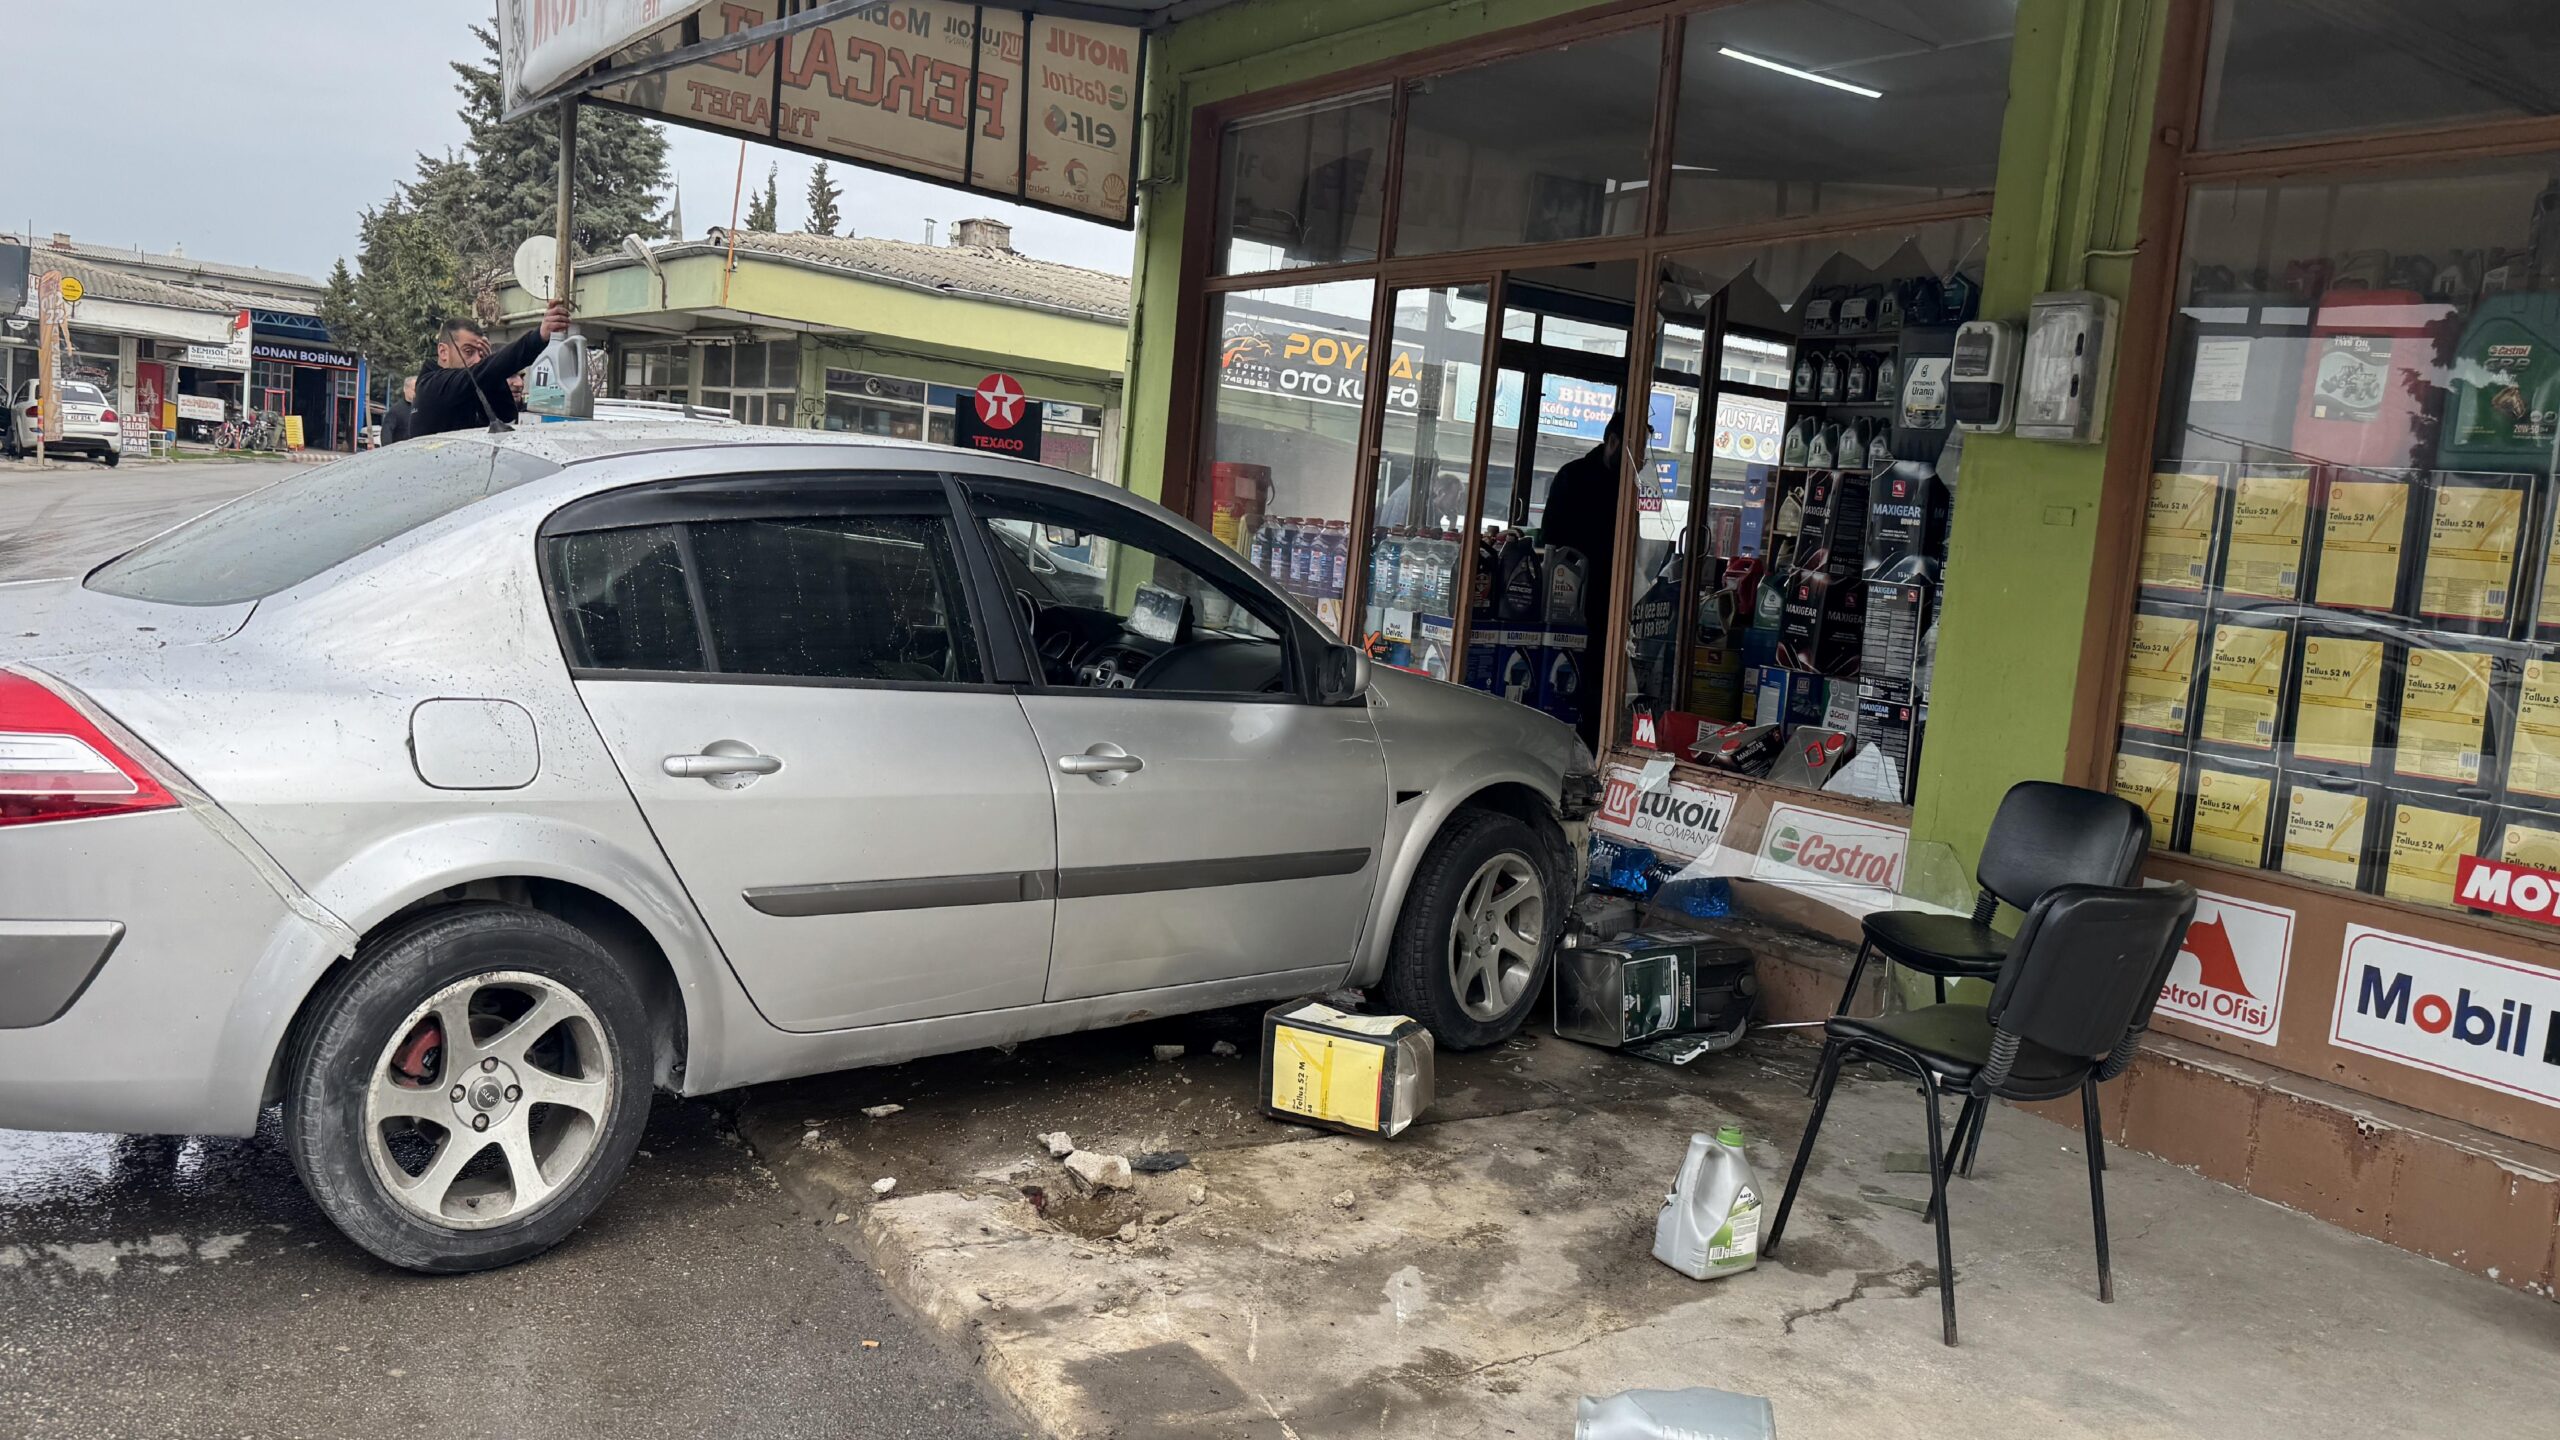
{"type": "Point", "coordinates": [2081, 87]}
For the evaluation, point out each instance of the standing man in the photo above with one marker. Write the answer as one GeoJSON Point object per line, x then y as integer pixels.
{"type": "Point", "coordinates": [465, 386]}
{"type": "Point", "coordinates": [1582, 514]}
{"type": "Point", "coordinates": [399, 419]}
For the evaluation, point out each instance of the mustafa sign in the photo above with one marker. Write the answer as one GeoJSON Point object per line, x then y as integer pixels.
{"type": "Point", "coordinates": [2229, 975]}
{"type": "Point", "coordinates": [1673, 818]}
{"type": "Point", "coordinates": [1815, 847]}
{"type": "Point", "coordinates": [2474, 1017]}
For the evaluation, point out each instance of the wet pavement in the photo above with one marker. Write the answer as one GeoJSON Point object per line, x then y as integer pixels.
{"type": "Point", "coordinates": [161, 1287]}
{"type": "Point", "coordinates": [66, 517]}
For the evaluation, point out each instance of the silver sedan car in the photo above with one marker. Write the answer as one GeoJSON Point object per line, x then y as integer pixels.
{"type": "Point", "coordinates": [460, 795]}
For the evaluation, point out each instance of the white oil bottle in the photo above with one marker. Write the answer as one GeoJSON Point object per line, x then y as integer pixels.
{"type": "Point", "coordinates": [1710, 1222]}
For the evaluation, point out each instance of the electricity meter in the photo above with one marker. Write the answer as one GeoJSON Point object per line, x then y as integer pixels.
{"type": "Point", "coordinates": [1982, 374]}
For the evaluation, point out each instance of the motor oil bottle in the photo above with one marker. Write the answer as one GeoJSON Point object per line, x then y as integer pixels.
{"type": "Point", "coordinates": [555, 384]}
{"type": "Point", "coordinates": [1710, 1222]}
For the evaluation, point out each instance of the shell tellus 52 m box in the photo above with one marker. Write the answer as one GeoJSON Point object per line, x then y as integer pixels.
{"type": "Point", "coordinates": [1364, 1074]}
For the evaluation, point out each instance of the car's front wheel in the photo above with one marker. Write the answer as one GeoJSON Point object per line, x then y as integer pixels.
{"type": "Point", "coordinates": [1478, 928]}
{"type": "Point", "coordinates": [468, 1091]}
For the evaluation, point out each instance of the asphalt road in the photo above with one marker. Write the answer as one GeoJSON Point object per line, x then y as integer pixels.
{"type": "Point", "coordinates": [187, 1288]}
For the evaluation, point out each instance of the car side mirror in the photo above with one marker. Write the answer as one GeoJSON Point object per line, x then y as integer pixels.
{"type": "Point", "coordinates": [1342, 675]}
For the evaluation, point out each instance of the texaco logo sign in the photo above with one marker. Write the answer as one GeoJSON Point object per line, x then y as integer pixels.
{"type": "Point", "coordinates": [1000, 402]}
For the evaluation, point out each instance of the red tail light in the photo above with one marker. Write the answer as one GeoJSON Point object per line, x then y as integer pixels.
{"type": "Point", "coordinates": [55, 765]}
{"type": "Point", "coordinates": [106, 417]}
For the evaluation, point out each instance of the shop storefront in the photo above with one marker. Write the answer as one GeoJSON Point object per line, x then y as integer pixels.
{"type": "Point", "coordinates": [2293, 585]}
{"type": "Point", "coordinates": [297, 373]}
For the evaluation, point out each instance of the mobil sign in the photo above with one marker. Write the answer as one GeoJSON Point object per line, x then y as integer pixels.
{"type": "Point", "coordinates": [2474, 1017]}
{"type": "Point", "coordinates": [2229, 975]}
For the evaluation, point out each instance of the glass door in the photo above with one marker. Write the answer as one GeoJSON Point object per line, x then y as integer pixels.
{"type": "Point", "coordinates": [1431, 387]}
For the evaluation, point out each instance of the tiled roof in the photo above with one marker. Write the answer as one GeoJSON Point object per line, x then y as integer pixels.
{"type": "Point", "coordinates": [106, 283]}
{"type": "Point", "coordinates": [961, 269]}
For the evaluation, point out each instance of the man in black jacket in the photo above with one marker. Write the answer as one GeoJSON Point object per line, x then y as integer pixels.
{"type": "Point", "coordinates": [464, 364]}
{"type": "Point", "coordinates": [399, 418]}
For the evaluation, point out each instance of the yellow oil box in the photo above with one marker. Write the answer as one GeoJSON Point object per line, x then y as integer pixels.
{"type": "Point", "coordinates": [1363, 1074]}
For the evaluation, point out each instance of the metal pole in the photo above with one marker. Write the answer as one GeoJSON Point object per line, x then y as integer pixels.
{"type": "Point", "coordinates": [563, 269]}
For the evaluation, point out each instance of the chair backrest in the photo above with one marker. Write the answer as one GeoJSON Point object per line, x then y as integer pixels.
{"type": "Point", "coordinates": [2047, 834]}
{"type": "Point", "coordinates": [2087, 967]}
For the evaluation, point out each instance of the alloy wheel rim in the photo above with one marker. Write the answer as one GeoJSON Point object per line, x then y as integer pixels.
{"type": "Point", "coordinates": [489, 1100]}
{"type": "Point", "coordinates": [1494, 942]}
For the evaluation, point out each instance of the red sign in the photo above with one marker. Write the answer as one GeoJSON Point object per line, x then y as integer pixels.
{"type": "Point", "coordinates": [2507, 889]}
{"type": "Point", "coordinates": [999, 418]}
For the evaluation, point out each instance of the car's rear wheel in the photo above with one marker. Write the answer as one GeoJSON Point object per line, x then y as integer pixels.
{"type": "Point", "coordinates": [110, 458]}
{"type": "Point", "coordinates": [469, 1090]}
{"type": "Point", "coordinates": [1479, 925]}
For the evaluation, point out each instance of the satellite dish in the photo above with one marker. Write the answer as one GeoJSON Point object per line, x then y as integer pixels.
{"type": "Point", "coordinates": [537, 265]}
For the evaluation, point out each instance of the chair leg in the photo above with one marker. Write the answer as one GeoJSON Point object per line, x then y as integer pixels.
{"type": "Point", "coordinates": [1938, 1207]}
{"type": "Point", "coordinates": [1955, 1146]}
{"type": "Point", "coordinates": [2097, 1185]}
{"type": "Point", "coordinates": [1848, 992]}
{"type": "Point", "coordinates": [1973, 1142]}
{"type": "Point", "coordinates": [1827, 1076]}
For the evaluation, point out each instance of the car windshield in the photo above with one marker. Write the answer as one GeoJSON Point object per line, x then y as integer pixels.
{"type": "Point", "coordinates": [278, 537]}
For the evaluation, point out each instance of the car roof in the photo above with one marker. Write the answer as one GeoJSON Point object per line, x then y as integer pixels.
{"type": "Point", "coordinates": [587, 442]}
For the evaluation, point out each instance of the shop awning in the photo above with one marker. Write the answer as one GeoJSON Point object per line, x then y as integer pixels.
{"type": "Point", "coordinates": [886, 84]}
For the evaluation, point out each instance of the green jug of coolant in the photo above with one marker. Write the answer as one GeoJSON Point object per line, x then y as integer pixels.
{"type": "Point", "coordinates": [1710, 1222]}
{"type": "Point", "coordinates": [556, 385]}
{"type": "Point", "coordinates": [2506, 384]}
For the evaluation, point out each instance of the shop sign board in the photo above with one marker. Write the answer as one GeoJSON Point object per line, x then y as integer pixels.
{"type": "Point", "coordinates": [2508, 889]}
{"type": "Point", "coordinates": [1802, 847]}
{"type": "Point", "coordinates": [303, 355]}
{"type": "Point", "coordinates": [1750, 429]}
{"type": "Point", "coordinates": [200, 407]}
{"type": "Point", "coordinates": [1031, 108]}
{"type": "Point", "coordinates": [1671, 817]}
{"type": "Point", "coordinates": [543, 42]}
{"type": "Point", "coordinates": [2230, 972]}
{"type": "Point", "coordinates": [2478, 1018]}
{"type": "Point", "coordinates": [1273, 355]}
{"type": "Point", "coordinates": [998, 418]}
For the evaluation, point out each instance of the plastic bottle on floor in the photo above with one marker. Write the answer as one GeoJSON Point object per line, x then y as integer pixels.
{"type": "Point", "coordinates": [1710, 1222]}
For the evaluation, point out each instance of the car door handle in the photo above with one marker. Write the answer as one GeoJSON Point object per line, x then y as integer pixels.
{"type": "Point", "coordinates": [1101, 760]}
{"type": "Point", "coordinates": [705, 767]}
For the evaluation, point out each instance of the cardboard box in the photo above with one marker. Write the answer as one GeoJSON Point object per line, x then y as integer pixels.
{"type": "Point", "coordinates": [2155, 778]}
{"type": "Point", "coordinates": [2234, 811]}
{"type": "Point", "coordinates": [2329, 823]}
{"type": "Point", "coordinates": [2423, 844]}
{"type": "Point", "coordinates": [1360, 1074]}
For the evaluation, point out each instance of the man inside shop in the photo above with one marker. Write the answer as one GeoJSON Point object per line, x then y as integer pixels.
{"type": "Point", "coordinates": [1582, 514]}
{"type": "Point", "coordinates": [465, 386]}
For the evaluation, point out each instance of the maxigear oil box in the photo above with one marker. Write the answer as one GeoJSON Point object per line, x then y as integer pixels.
{"type": "Point", "coordinates": [1361, 1074]}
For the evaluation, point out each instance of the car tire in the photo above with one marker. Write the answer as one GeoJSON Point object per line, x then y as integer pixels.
{"type": "Point", "coordinates": [1471, 952]}
{"type": "Point", "coordinates": [109, 459]}
{"type": "Point", "coordinates": [376, 1096]}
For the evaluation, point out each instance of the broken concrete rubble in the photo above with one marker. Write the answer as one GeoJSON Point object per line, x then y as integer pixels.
{"type": "Point", "coordinates": [1099, 1172]}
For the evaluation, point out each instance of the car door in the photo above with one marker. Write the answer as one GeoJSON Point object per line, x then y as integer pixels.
{"type": "Point", "coordinates": [790, 675]}
{"type": "Point", "coordinates": [1214, 822]}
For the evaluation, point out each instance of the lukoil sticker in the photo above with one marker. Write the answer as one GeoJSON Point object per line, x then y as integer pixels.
{"type": "Point", "coordinates": [2474, 1017]}
{"type": "Point", "coordinates": [1672, 817]}
{"type": "Point", "coordinates": [1803, 846]}
{"type": "Point", "coordinates": [2230, 971]}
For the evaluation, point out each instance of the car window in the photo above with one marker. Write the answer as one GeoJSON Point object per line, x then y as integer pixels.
{"type": "Point", "coordinates": [272, 539]}
{"type": "Point", "coordinates": [838, 597]}
{"type": "Point", "coordinates": [622, 600]}
{"type": "Point", "coordinates": [1116, 603]}
{"type": "Point", "coordinates": [77, 393]}
{"type": "Point", "coordinates": [853, 597]}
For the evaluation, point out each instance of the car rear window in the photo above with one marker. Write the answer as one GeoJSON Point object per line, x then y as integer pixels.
{"type": "Point", "coordinates": [272, 539]}
{"type": "Point", "coordinates": [78, 394]}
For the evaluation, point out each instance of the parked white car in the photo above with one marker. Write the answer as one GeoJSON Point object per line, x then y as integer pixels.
{"type": "Point", "coordinates": [89, 425]}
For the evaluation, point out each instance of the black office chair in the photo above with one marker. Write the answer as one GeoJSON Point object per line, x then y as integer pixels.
{"type": "Point", "coordinates": [2066, 1014]}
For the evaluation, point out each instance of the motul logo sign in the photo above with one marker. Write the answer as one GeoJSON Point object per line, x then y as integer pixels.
{"type": "Point", "coordinates": [2474, 1017]}
{"type": "Point", "coordinates": [2518, 890]}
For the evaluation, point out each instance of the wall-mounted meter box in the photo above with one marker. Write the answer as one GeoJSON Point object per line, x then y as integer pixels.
{"type": "Point", "coordinates": [1983, 374]}
{"type": "Point", "coordinates": [2070, 367]}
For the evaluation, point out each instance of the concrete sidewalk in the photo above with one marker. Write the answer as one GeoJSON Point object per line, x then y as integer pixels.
{"type": "Point", "coordinates": [1494, 1263]}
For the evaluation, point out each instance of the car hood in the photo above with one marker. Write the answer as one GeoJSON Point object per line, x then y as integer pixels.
{"type": "Point", "coordinates": [1430, 724]}
{"type": "Point", "coordinates": [44, 618]}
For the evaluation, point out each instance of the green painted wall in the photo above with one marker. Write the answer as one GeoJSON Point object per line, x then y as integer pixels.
{"type": "Point", "coordinates": [2018, 564]}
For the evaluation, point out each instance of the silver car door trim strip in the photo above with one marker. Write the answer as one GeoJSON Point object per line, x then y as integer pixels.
{"type": "Point", "coordinates": [1094, 881]}
{"type": "Point", "coordinates": [865, 897]}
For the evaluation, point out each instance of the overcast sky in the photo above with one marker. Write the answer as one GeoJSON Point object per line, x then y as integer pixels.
{"type": "Point", "coordinates": [255, 131]}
